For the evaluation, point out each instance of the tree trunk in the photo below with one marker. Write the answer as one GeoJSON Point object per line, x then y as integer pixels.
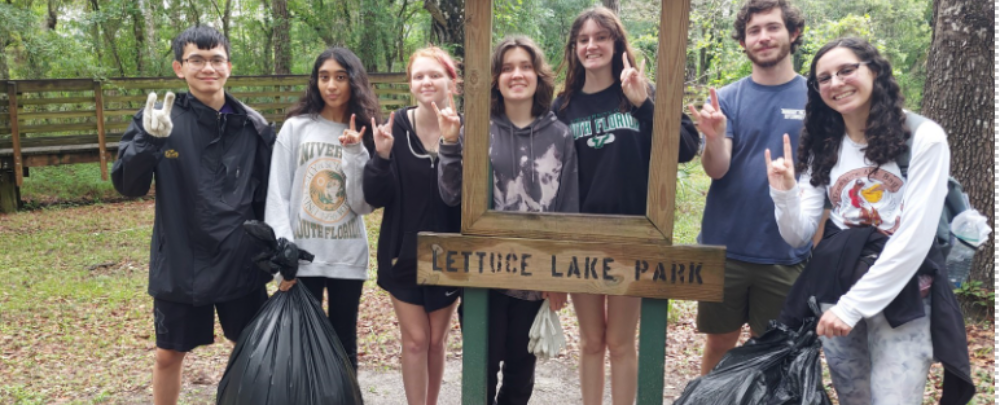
{"type": "Point", "coordinates": [448, 24]}
{"type": "Point", "coordinates": [958, 94]}
{"type": "Point", "coordinates": [614, 5]}
{"type": "Point", "coordinates": [282, 43]}
{"type": "Point", "coordinates": [148, 8]}
{"type": "Point", "coordinates": [138, 29]}
{"type": "Point", "coordinates": [53, 16]}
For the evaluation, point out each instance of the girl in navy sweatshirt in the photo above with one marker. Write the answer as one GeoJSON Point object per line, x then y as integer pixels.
{"type": "Point", "coordinates": [608, 106]}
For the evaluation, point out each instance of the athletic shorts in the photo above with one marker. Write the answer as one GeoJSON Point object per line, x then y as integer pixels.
{"type": "Point", "coordinates": [431, 297]}
{"type": "Point", "coordinates": [182, 327]}
{"type": "Point", "coordinates": [754, 294]}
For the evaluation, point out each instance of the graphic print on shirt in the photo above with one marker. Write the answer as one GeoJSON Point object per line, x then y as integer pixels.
{"type": "Point", "coordinates": [325, 202]}
{"type": "Point", "coordinates": [599, 128]}
{"type": "Point", "coordinates": [514, 194]}
{"type": "Point", "coordinates": [868, 200]}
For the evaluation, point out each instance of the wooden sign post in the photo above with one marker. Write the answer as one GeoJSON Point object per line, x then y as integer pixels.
{"type": "Point", "coordinates": [598, 254]}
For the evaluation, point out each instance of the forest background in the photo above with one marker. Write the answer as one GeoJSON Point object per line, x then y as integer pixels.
{"type": "Point", "coordinates": [43, 39]}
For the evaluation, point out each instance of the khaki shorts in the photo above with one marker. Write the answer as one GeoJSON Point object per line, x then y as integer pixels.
{"type": "Point", "coordinates": [754, 294]}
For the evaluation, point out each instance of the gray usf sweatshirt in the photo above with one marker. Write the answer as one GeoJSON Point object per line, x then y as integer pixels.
{"type": "Point", "coordinates": [534, 170]}
{"type": "Point", "coordinates": [315, 199]}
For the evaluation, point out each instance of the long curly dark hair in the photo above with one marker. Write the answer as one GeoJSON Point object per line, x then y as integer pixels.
{"type": "Point", "coordinates": [363, 103]}
{"type": "Point", "coordinates": [823, 129]}
{"type": "Point", "coordinates": [575, 74]}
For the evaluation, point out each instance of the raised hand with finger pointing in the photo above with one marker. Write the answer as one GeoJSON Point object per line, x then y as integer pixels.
{"type": "Point", "coordinates": [448, 121]}
{"type": "Point", "coordinates": [352, 136]}
{"type": "Point", "coordinates": [781, 172]}
{"type": "Point", "coordinates": [711, 120]}
{"type": "Point", "coordinates": [157, 122]}
{"type": "Point", "coordinates": [634, 82]}
{"type": "Point", "coordinates": [382, 135]}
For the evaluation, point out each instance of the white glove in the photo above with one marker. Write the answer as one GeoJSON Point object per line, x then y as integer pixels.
{"type": "Point", "coordinates": [157, 122]}
{"type": "Point", "coordinates": [545, 339]}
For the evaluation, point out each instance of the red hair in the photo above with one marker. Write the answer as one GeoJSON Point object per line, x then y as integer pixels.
{"type": "Point", "coordinates": [442, 57]}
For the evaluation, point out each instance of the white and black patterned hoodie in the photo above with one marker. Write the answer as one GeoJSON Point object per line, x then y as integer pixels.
{"type": "Point", "coordinates": [534, 170]}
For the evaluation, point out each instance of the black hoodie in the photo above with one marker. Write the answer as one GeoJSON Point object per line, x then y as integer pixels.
{"type": "Point", "coordinates": [406, 186]}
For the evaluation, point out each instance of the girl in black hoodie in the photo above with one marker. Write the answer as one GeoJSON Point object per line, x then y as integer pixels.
{"type": "Point", "coordinates": [402, 178]}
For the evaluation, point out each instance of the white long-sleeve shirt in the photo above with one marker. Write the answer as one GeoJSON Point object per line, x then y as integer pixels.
{"type": "Point", "coordinates": [315, 198]}
{"type": "Point", "coordinates": [907, 209]}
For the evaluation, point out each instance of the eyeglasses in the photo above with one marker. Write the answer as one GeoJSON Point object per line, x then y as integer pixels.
{"type": "Point", "coordinates": [198, 63]}
{"type": "Point", "coordinates": [845, 72]}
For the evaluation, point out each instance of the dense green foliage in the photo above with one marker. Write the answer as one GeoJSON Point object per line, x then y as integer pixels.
{"type": "Point", "coordinates": [113, 38]}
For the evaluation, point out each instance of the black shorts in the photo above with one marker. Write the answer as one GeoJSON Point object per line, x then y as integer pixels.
{"type": "Point", "coordinates": [182, 327]}
{"type": "Point", "coordinates": [431, 297]}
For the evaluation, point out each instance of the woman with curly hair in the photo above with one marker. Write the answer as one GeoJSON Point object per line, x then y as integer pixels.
{"type": "Point", "coordinates": [877, 274]}
{"type": "Point", "coordinates": [314, 195]}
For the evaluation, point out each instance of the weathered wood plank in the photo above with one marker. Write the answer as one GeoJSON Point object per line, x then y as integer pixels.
{"type": "Point", "coordinates": [475, 179]}
{"type": "Point", "coordinates": [147, 83]}
{"type": "Point", "coordinates": [39, 86]}
{"type": "Point", "coordinates": [37, 129]}
{"type": "Point", "coordinates": [54, 100]}
{"type": "Point", "coordinates": [99, 104]}
{"type": "Point", "coordinates": [580, 227]}
{"type": "Point", "coordinates": [651, 270]}
{"type": "Point", "coordinates": [54, 142]}
{"type": "Point", "coordinates": [120, 113]}
{"type": "Point", "coordinates": [126, 99]}
{"type": "Point", "coordinates": [55, 115]}
{"type": "Point", "coordinates": [666, 122]}
{"type": "Point", "coordinates": [15, 133]}
{"type": "Point", "coordinates": [250, 94]}
{"type": "Point", "coordinates": [387, 91]}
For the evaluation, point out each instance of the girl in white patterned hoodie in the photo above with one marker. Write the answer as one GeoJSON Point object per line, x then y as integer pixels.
{"type": "Point", "coordinates": [315, 198]}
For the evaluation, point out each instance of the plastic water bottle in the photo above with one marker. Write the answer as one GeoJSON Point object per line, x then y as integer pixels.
{"type": "Point", "coordinates": [960, 262]}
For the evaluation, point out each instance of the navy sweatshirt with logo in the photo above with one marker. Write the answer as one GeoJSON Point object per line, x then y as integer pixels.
{"type": "Point", "coordinates": [613, 149]}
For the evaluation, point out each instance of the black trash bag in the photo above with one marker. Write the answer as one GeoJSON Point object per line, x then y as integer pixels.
{"type": "Point", "coordinates": [289, 353]}
{"type": "Point", "coordinates": [781, 367]}
{"type": "Point", "coordinates": [277, 255]}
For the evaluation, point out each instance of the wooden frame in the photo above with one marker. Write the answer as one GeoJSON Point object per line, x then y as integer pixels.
{"type": "Point", "coordinates": [656, 226]}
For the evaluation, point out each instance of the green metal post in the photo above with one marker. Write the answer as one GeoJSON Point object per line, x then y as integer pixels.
{"type": "Point", "coordinates": [475, 339]}
{"type": "Point", "coordinates": [652, 350]}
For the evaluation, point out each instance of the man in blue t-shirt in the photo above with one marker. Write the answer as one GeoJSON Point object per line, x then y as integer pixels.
{"type": "Point", "coordinates": [739, 123]}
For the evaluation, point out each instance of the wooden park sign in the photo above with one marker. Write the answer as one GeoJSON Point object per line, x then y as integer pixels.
{"type": "Point", "coordinates": [598, 254]}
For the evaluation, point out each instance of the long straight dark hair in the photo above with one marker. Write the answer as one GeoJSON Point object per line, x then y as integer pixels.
{"type": "Point", "coordinates": [363, 102]}
{"type": "Point", "coordinates": [575, 74]}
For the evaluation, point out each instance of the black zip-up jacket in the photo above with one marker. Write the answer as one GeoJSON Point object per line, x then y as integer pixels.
{"type": "Point", "coordinates": [406, 185]}
{"type": "Point", "coordinates": [211, 176]}
{"type": "Point", "coordinates": [843, 256]}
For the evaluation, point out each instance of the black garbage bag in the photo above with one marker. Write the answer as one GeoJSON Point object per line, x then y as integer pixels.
{"type": "Point", "coordinates": [289, 353]}
{"type": "Point", "coordinates": [781, 367]}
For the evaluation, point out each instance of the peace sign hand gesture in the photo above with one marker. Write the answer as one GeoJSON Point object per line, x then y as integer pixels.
{"type": "Point", "coordinates": [350, 136]}
{"type": "Point", "coordinates": [711, 120]}
{"type": "Point", "coordinates": [382, 135]}
{"type": "Point", "coordinates": [634, 82]}
{"type": "Point", "coordinates": [448, 121]}
{"type": "Point", "coordinates": [157, 122]}
{"type": "Point", "coordinates": [781, 172]}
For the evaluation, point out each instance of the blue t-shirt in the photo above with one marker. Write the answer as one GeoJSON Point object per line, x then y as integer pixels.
{"type": "Point", "coordinates": [739, 212]}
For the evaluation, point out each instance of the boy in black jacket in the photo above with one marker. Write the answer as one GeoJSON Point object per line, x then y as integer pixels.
{"type": "Point", "coordinates": [210, 156]}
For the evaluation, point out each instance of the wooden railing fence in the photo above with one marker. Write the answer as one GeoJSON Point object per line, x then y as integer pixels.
{"type": "Point", "coordinates": [66, 121]}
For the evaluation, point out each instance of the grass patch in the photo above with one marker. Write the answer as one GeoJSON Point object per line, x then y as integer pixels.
{"type": "Point", "coordinates": [67, 185]}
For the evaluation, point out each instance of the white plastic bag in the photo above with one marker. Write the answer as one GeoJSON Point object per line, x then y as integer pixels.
{"type": "Point", "coordinates": [546, 338]}
{"type": "Point", "coordinates": [971, 227]}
